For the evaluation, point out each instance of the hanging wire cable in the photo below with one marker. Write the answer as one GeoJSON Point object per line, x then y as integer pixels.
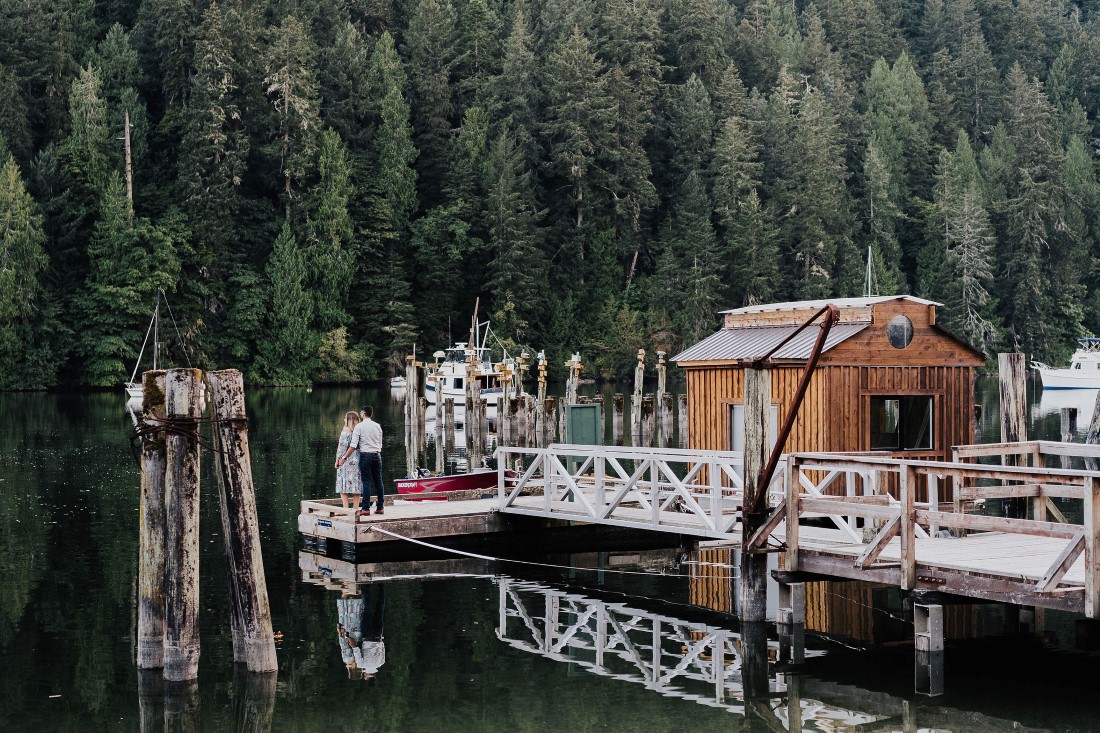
{"type": "Point", "coordinates": [186, 350]}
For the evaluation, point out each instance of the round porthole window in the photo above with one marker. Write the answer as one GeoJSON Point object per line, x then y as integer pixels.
{"type": "Point", "coordinates": [900, 332]}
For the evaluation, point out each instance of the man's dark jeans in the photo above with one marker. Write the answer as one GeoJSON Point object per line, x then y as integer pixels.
{"type": "Point", "coordinates": [370, 467]}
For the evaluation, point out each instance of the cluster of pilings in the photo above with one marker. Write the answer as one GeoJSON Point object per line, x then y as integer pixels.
{"type": "Point", "coordinates": [533, 420]}
{"type": "Point", "coordinates": [168, 573]}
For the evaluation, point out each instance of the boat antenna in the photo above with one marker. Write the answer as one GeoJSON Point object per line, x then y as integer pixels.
{"type": "Point", "coordinates": [186, 355]}
{"type": "Point", "coordinates": [474, 331]}
{"type": "Point", "coordinates": [870, 281]}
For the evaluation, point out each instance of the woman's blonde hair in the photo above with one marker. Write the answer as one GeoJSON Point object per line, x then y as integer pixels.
{"type": "Point", "coordinates": [351, 419]}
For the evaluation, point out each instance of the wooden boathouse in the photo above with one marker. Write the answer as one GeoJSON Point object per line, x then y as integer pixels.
{"type": "Point", "coordinates": [889, 378]}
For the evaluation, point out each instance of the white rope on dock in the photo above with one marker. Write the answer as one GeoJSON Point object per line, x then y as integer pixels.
{"type": "Point", "coordinates": [395, 535]}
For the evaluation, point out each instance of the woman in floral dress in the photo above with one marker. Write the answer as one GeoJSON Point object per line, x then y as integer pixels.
{"type": "Point", "coordinates": [349, 482]}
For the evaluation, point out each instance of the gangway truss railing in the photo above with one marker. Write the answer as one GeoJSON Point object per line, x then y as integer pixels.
{"type": "Point", "coordinates": [667, 489]}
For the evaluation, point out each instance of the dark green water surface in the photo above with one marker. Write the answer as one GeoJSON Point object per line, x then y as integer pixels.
{"type": "Point", "coordinates": [68, 558]}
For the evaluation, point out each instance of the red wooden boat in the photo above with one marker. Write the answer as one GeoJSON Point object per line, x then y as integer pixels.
{"type": "Point", "coordinates": [483, 479]}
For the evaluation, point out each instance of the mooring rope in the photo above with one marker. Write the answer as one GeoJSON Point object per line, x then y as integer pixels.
{"type": "Point", "coordinates": [476, 556]}
{"type": "Point", "coordinates": [147, 432]}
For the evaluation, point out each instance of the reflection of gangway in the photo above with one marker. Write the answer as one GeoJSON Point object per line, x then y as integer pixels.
{"type": "Point", "coordinates": [673, 657]}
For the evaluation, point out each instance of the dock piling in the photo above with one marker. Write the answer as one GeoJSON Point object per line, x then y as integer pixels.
{"type": "Point", "coordinates": [1012, 376]}
{"type": "Point", "coordinates": [253, 644]}
{"type": "Point", "coordinates": [184, 398]}
{"type": "Point", "coordinates": [617, 419]}
{"type": "Point", "coordinates": [753, 583]}
{"type": "Point", "coordinates": [150, 615]}
{"type": "Point", "coordinates": [648, 422]}
{"type": "Point", "coordinates": [1068, 432]}
{"type": "Point", "coordinates": [448, 425]}
{"type": "Point", "coordinates": [636, 400]}
{"type": "Point", "coordinates": [682, 417]}
{"type": "Point", "coordinates": [659, 402]}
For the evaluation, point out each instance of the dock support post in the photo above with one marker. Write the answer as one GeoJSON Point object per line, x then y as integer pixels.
{"type": "Point", "coordinates": [907, 480]}
{"type": "Point", "coordinates": [753, 583]}
{"type": "Point", "coordinates": [448, 424]}
{"type": "Point", "coordinates": [470, 419]}
{"type": "Point", "coordinates": [182, 706]}
{"type": "Point", "coordinates": [150, 615]}
{"type": "Point", "coordinates": [248, 598]}
{"type": "Point", "coordinates": [1093, 435]}
{"type": "Point", "coordinates": [1012, 378]}
{"type": "Point", "coordinates": [647, 421]}
{"type": "Point", "coordinates": [440, 453]}
{"type": "Point", "coordinates": [540, 406]}
{"type": "Point", "coordinates": [682, 416]}
{"type": "Point", "coordinates": [483, 428]}
{"type": "Point", "coordinates": [636, 401]}
{"type": "Point", "coordinates": [1068, 432]}
{"type": "Point", "coordinates": [412, 443]}
{"type": "Point", "coordinates": [184, 405]}
{"type": "Point", "coordinates": [659, 402]}
{"type": "Point", "coordinates": [791, 622]}
{"type": "Point", "coordinates": [928, 645]}
{"type": "Point", "coordinates": [1092, 546]}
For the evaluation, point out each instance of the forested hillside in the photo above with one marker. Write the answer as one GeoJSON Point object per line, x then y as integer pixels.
{"type": "Point", "coordinates": [319, 184]}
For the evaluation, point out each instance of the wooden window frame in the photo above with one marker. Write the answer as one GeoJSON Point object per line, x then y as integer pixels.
{"type": "Point", "coordinates": [938, 425]}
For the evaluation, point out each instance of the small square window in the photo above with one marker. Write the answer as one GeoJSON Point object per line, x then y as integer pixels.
{"type": "Point", "coordinates": [901, 423]}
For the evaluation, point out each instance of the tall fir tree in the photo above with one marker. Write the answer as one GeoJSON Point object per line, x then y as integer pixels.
{"type": "Point", "coordinates": [288, 353]}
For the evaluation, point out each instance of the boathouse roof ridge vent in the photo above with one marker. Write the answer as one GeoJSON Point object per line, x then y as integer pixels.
{"type": "Point", "coordinates": [743, 344]}
{"type": "Point", "coordinates": [841, 303]}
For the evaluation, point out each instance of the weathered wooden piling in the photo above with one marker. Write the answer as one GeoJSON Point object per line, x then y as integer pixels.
{"type": "Point", "coordinates": [636, 400]}
{"type": "Point", "coordinates": [184, 397]}
{"type": "Point", "coordinates": [648, 422]}
{"type": "Point", "coordinates": [1068, 432]}
{"type": "Point", "coordinates": [682, 417]}
{"type": "Point", "coordinates": [482, 429]}
{"type": "Point", "coordinates": [1013, 380]}
{"type": "Point", "coordinates": [448, 424]}
{"type": "Point", "coordinates": [254, 644]}
{"type": "Point", "coordinates": [412, 443]}
{"type": "Point", "coordinates": [753, 583]}
{"type": "Point", "coordinates": [470, 419]}
{"type": "Point", "coordinates": [659, 402]}
{"type": "Point", "coordinates": [422, 425]}
{"type": "Point", "coordinates": [617, 418]}
{"type": "Point", "coordinates": [549, 421]}
{"type": "Point", "coordinates": [150, 612]}
{"type": "Point", "coordinates": [1092, 437]}
{"type": "Point", "coordinates": [532, 421]}
{"type": "Point", "coordinates": [437, 434]}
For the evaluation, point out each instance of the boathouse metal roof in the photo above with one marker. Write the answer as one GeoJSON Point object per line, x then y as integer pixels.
{"type": "Point", "coordinates": [838, 302]}
{"type": "Point", "coordinates": [743, 344]}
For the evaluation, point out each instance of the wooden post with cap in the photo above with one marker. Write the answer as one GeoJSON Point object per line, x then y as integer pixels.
{"type": "Point", "coordinates": [152, 519]}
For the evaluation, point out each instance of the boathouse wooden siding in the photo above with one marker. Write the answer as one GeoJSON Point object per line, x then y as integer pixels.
{"type": "Point", "coordinates": [835, 414]}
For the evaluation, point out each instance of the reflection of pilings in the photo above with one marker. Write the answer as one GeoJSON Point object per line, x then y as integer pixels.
{"type": "Point", "coordinates": [482, 430]}
{"type": "Point", "coordinates": [181, 707]}
{"type": "Point", "coordinates": [549, 421]}
{"type": "Point", "coordinates": [648, 421]}
{"type": "Point", "coordinates": [184, 400]}
{"type": "Point", "coordinates": [928, 673]}
{"type": "Point", "coordinates": [682, 415]}
{"type": "Point", "coordinates": [1069, 432]}
{"type": "Point", "coordinates": [150, 701]}
{"type": "Point", "coordinates": [665, 424]}
{"type": "Point", "coordinates": [754, 659]}
{"type": "Point", "coordinates": [253, 700]}
{"type": "Point", "coordinates": [150, 615]}
{"type": "Point", "coordinates": [617, 415]}
{"type": "Point", "coordinates": [791, 622]}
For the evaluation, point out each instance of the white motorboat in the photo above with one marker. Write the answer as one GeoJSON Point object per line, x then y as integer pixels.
{"type": "Point", "coordinates": [1083, 371]}
{"type": "Point", "coordinates": [447, 379]}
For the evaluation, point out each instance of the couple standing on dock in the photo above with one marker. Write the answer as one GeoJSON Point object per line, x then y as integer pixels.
{"type": "Point", "coordinates": [359, 460]}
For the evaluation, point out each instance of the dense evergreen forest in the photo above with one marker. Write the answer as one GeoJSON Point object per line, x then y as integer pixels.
{"type": "Point", "coordinates": [319, 184]}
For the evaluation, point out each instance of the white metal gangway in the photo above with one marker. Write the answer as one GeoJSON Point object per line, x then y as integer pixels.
{"type": "Point", "coordinates": [689, 492]}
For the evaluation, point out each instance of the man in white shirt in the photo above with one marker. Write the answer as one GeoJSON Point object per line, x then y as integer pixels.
{"type": "Point", "coordinates": [367, 439]}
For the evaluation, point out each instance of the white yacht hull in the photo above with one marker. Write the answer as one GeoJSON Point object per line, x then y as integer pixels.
{"type": "Point", "coordinates": [1068, 378]}
{"type": "Point", "coordinates": [431, 394]}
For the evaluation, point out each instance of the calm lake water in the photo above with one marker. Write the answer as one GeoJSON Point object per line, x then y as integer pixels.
{"type": "Point", "coordinates": [467, 653]}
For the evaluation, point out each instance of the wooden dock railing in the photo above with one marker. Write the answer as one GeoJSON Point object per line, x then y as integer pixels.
{"type": "Point", "coordinates": [905, 518]}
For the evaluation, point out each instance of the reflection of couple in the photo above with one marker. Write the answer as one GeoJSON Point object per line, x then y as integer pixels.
{"type": "Point", "coordinates": [359, 628]}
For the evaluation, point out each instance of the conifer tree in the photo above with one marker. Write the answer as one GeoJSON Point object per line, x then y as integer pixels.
{"type": "Point", "coordinates": [24, 352]}
{"type": "Point", "coordinates": [287, 355]}
{"type": "Point", "coordinates": [513, 95]}
{"type": "Point", "coordinates": [514, 239]}
{"type": "Point", "coordinates": [292, 88]}
{"type": "Point", "coordinates": [881, 216]}
{"type": "Point", "coordinates": [749, 255]}
{"type": "Point", "coordinates": [688, 126]}
{"type": "Point", "coordinates": [330, 244]}
{"type": "Point", "coordinates": [14, 125]}
{"type": "Point", "coordinates": [129, 259]}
